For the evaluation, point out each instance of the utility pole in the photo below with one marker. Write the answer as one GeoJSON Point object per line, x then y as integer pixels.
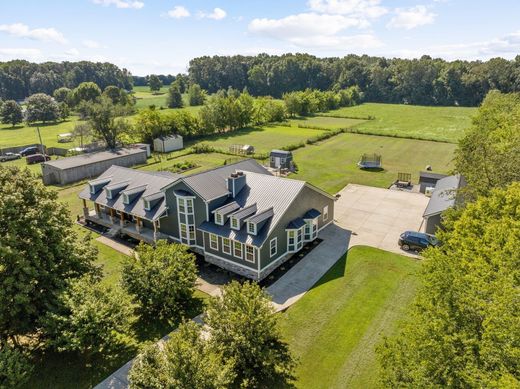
{"type": "Point", "coordinates": [41, 143]}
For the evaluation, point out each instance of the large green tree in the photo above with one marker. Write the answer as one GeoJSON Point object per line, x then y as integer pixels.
{"type": "Point", "coordinates": [464, 327]}
{"type": "Point", "coordinates": [174, 97]}
{"type": "Point", "coordinates": [488, 156]}
{"type": "Point", "coordinates": [11, 113]}
{"type": "Point", "coordinates": [41, 108]}
{"type": "Point", "coordinates": [155, 83]}
{"type": "Point", "coordinates": [15, 366]}
{"type": "Point", "coordinates": [162, 278]}
{"type": "Point", "coordinates": [106, 121]}
{"type": "Point", "coordinates": [243, 325]}
{"type": "Point", "coordinates": [62, 95]}
{"type": "Point", "coordinates": [196, 95]}
{"type": "Point", "coordinates": [186, 360]}
{"type": "Point", "coordinates": [40, 254]}
{"type": "Point", "coordinates": [94, 318]}
{"type": "Point", "coordinates": [86, 91]}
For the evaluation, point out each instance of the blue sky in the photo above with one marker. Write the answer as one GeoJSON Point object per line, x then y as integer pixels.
{"type": "Point", "coordinates": [159, 36]}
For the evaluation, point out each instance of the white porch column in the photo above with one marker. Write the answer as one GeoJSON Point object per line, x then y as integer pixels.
{"type": "Point", "coordinates": [138, 225]}
{"type": "Point", "coordinates": [155, 230]}
{"type": "Point", "coordinates": [85, 209]}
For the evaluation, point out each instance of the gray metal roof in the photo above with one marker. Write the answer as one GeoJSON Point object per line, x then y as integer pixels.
{"type": "Point", "coordinates": [243, 212]}
{"type": "Point", "coordinates": [267, 192]}
{"type": "Point", "coordinates": [152, 183]}
{"type": "Point", "coordinates": [212, 183]}
{"type": "Point", "coordinates": [444, 195]}
{"type": "Point", "coordinates": [435, 176]}
{"type": "Point", "coordinates": [261, 216]}
{"type": "Point", "coordinates": [87, 159]}
{"type": "Point", "coordinates": [225, 209]}
{"type": "Point", "coordinates": [311, 214]}
{"type": "Point", "coordinates": [282, 153]}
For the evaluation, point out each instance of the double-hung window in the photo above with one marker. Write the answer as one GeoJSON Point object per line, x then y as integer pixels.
{"type": "Point", "coordinates": [251, 228]}
{"type": "Point", "coordinates": [291, 240]}
{"type": "Point", "coordinates": [234, 223]}
{"type": "Point", "coordinates": [273, 246]}
{"type": "Point", "coordinates": [189, 206]}
{"type": "Point", "coordinates": [219, 219]}
{"type": "Point", "coordinates": [226, 246]}
{"type": "Point", "coordinates": [237, 249]}
{"type": "Point", "coordinates": [325, 213]}
{"type": "Point", "coordinates": [250, 253]}
{"type": "Point", "coordinates": [213, 241]}
{"type": "Point", "coordinates": [182, 205]}
{"type": "Point", "coordinates": [184, 231]}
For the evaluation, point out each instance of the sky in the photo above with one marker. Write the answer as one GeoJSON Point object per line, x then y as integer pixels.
{"type": "Point", "coordinates": [161, 36]}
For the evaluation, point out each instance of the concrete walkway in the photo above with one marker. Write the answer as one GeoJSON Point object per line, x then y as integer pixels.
{"type": "Point", "coordinates": [293, 285]}
{"type": "Point", "coordinates": [122, 248]}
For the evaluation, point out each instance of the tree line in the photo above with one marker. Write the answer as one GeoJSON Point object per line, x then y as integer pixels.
{"type": "Point", "coordinates": [20, 79]}
{"type": "Point", "coordinates": [424, 81]}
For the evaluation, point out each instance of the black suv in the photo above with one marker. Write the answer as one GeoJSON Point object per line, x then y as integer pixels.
{"type": "Point", "coordinates": [411, 240]}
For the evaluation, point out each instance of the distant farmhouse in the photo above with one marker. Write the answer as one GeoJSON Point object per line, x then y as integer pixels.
{"type": "Point", "coordinates": [238, 216]}
{"type": "Point", "coordinates": [72, 169]}
{"type": "Point", "coordinates": [443, 197]}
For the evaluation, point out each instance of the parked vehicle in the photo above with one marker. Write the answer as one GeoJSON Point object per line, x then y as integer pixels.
{"type": "Point", "coordinates": [64, 138]}
{"type": "Point", "coordinates": [29, 151]}
{"type": "Point", "coordinates": [412, 240]}
{"type": "Point", "coordinates": [9, 157]}
{"type": "Point", "coordinates": [37, 158]}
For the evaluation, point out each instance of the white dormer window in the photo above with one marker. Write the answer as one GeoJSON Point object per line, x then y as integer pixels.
{"type": "Point", "coordinates": [219, 219]}
{"type": "Point", "coordinates": [126, 199]}
{"type": "Point", "coordinates": [235, 224]}
{"type": "Point", "coordinates": [92, 189]}
{"type": "Point", "coordinates": [251, 228]}
{"type": "Point", "coordinates": [109, 194]}
{"type": "Point", "coordinates": [146, 205]}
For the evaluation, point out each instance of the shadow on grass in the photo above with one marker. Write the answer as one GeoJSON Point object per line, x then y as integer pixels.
{"type": "Point", "coordinates": [11, 128]}
{"type": "Point", "coordinates": [372, 169]}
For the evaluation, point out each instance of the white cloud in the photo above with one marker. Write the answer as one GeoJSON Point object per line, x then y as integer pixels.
{"type": "Point", "coordinates": [360, 8]}
{"type": "Point", "coordinates": [217, 14]}
{"type": "Point", "coordinates": [121, 3]}
{"type": "Point", "coordinates": [42, 34]}
{"type": "Point", "coordinates": [413, 17]}
{"type": "Point", "coordinates": [73, 52]}
{"type": "Point", "coordinates": [15, 53]}
{"type": "Point", "coordinates": [90, 44]}
{"type": "Point", "coordinates": [178, 12]}
{"type": "Point", "coordinates": [313, 30]}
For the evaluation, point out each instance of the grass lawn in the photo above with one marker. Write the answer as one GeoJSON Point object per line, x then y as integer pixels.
{"type": "Point", "coordinates": [334, 328]}
{"type": "Point", "coordinates": [331, 164]}
{"type": "Point", "coordinates": [325, 122]}
{"type": "Point", "coordinates": [437, 123]}
{"type": "Point", "coordinates": [203, 162]}
{"type": "Point", "coordinates": [264, 139]}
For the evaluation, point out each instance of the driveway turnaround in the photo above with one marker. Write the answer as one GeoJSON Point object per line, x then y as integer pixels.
{"type": "Point", "coordinates": [376, 216]}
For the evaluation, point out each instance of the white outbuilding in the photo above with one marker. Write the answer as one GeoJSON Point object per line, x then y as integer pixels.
{"type": "Point", "coordinates": [165, 144]}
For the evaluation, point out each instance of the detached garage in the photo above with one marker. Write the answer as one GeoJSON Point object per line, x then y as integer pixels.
{"type": "Point", "coordinates": [165, 144]}
{"type": "Point", "coordinates": [72, 169]}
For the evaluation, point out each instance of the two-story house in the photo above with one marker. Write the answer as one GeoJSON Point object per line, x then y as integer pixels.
{"type": "Point", "coordinates": [239, 216]}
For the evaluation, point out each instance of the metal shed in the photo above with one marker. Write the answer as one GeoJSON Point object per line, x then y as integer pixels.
{"type": "Point", "coordinates": [429, 180]}
{"type": "Point", "coordinates": [165, 144]}
{"type": "Point", "coordinates": [72, 169]}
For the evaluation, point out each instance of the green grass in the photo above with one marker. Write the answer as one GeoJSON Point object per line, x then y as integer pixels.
{"type": "Point", "coordinates": [334, 328]}
{"type": "Point", "coordinates": [435, 123]}
{"type": "Point", "coordinates": [332, 164]}
{"type": "Point", "coordinates": [263, 139]}
{"type": "Point", "coordinates": [325, 122]}
{"type": "Point", "coordinates": [203, 162]}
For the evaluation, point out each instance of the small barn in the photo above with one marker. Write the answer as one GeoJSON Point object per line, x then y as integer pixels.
{"type": "Point", "coordinates": [72, 169]}
{"type": "Point", "coordinates": [165, 144]}
{"type": "Point", "coordinates": [280, 159]}
{"type": "Point", "coordinates": [429, 180]}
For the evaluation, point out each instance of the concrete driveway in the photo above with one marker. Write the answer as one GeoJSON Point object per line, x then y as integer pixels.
{"type": "Point", "coordinates": [376, 216]}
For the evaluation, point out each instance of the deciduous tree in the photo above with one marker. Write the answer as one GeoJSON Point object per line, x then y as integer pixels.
{"type": "Point", "coordinates": [41, 108]}
{"type": "Point", "coordinates": [464, 327]}
{"type": "Point", "coordinates": [162, 279]}
{"type": "Point", "coordinates": [155, 83]}
{"type": "Point", "coordinates": [186, 360]}
{"type": "Point", "coordinates": [174, 98]}
{"type": "Point", "coordinates": [106, 122]}
{"type": "Point", "coordinates": [11, 113]}
{"type": "Point", "coordinates": [196, 95]}
{"type": "Point", "coordinates": [40, 254]}
{"type": "Point", "coordinates": [86, 91]}
{"type": "Point", "coordinates": [243, 325]}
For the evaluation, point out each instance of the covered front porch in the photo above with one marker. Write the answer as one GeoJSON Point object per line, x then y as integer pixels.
{"type": "Point", "coordinates": [120, 222]}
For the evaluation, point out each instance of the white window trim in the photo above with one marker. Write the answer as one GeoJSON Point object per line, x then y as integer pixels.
{"type": "Point", "coordinates": [298, 243]}
{"type": "Point", "coordinates": [254, 253]}
{"type": "Point", "coordinates": [109, 194]}
{"type": "Point", "coordinates": [241, 249]}
{"type": "Point", "coordinates": [217, 215]}
{"type": "Point", "coordinates": [249, 225]}
{"type": "Point", "coordinates": [275, 241]}
{"type": "Point", "coordinates": [211, 242]}
{"type": "Point", "coordinates": [146, 205]}
{"type": "Point", "coordinates": [325, 213]}
{"type": "Point", "coordinates": [126, 199]}
{"type": "Point", "coordinates": [237, 228]}
{"type": "Point", "coordinates": [228, 246]}
{"type": "Point", "coordinates": [92, 189]}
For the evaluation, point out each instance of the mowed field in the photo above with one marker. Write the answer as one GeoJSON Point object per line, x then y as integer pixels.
{"type": "Point", "coordinates": [324, 122]}
{"type": "Point", "coordinates": [413, 121]}
{"type": "Point", "coordinates": [334, 329]}
{"type": "Point", "coordinates": [332, 164]}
